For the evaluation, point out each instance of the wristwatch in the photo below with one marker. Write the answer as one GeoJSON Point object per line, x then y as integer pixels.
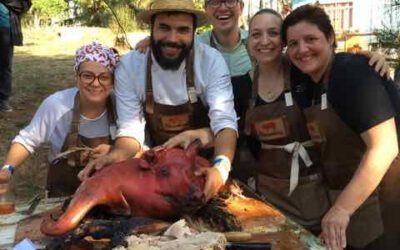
{"type": "Point", "coordinates": [9, 167]}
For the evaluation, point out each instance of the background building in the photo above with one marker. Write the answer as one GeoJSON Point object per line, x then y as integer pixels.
{"type": "Point", "coordinates": [252, 6]}
{"type": "Point", "coordinates": [355, 21]}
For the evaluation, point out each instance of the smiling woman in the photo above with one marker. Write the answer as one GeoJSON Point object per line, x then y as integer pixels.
{"type": "Point", "coordinates": [76, 118]}
{"type": "Point", "coordinates": [277, 132]}
{"type": "Point", "coordinates": [339, 93]}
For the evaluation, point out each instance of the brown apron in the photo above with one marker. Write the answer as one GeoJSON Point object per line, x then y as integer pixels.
{"type": "Point", "coordinates": [166, 121]}
{"type": "Point", "coordinates": [288, 171]}
{"type": "Point", "coordinates": [341, 152]}
{"type": "Point", "coordinates": [389, 196]}
{"type": "Point", "coordinates": [62, 177]}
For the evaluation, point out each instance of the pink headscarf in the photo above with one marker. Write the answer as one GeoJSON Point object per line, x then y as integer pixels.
{"type": "Point", "coordinates": [96, 52]}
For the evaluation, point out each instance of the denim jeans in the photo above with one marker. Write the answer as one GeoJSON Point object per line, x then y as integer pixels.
{"type": "Point", "coordinates": [6, 55]}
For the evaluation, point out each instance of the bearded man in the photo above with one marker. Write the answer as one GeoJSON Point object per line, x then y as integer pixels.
{"type": "Point", "coordinates": [178, 85]}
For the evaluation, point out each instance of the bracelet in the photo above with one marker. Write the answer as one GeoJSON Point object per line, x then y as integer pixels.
{"type": "Point", "coordinates": [9, 167]}
{"type": "Point", "coordinates": [223, 164]}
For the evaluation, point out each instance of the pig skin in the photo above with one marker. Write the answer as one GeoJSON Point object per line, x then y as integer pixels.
{"type": "Point", "coordinates": [161, 184]}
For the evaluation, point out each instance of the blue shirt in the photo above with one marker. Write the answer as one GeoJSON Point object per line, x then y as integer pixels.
{"type": "Point", "coordinates": [4, 16]}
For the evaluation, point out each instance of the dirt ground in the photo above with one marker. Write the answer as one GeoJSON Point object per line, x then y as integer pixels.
{"type": "Point", "coordinates": [41, 67]}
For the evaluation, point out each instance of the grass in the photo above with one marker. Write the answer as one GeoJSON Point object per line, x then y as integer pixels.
{"type": "Point", "coordinates": [41, 67]}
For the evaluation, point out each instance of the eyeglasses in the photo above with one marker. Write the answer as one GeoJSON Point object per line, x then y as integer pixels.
{"type": "Point", "coordinates": [87, 77]}
{"type": "Point", "coordinates": [217, 3]}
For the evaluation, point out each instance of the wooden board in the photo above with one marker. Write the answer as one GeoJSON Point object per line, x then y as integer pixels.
{"type": "Point", "coordinates": [262, 221]}
{"type": "Point", "coordinates": [30, 228]}
{"type": "Point", "coordinates": [9, 222]}
{"type": "Point", "coordinates": [285, 240]}
{"type": "Point", "coordinates": [252, 213]}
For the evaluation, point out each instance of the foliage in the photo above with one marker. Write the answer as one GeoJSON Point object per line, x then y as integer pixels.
{"type": "Point", "coordinates": [94, 12]}
{"type": "Point", "coordinates": [101, 13]}
{"type": "Point", "coordinates": [126, 19]}
{"type": "Point", "coordinates": [388, 37]}
{"type": "Point", "coordinates": [45, 10]}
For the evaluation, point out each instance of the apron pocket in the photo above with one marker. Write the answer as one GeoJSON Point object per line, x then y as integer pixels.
{"type": "Point", "coordinates": [307, 204]}
{"type": "Point", "coordinates": [312, 196]}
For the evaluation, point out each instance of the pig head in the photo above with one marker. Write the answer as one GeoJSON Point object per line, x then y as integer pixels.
{"type": "Point", "coordinates": [161, 184]}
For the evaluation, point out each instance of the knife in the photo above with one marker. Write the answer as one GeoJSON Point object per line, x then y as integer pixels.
{"type": "Point", "coordinates": [33, 204]}
{"type": "Point", "coordinates": [248, 245]}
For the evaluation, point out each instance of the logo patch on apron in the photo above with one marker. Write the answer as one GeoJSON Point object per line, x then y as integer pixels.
{"type": "Point", "coordinates": [175, 122]}
{"type": "Point", "coordinates": [271, 129]}
{"type": "Point", "coordinates": [315, 132]}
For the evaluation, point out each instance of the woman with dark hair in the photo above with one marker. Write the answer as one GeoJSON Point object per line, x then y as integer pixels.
{"type": "Point", "coordinates": [357, 138]}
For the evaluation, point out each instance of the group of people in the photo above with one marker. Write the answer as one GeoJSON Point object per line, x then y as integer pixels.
{"type": "Point", "coordinates": [321, 126]}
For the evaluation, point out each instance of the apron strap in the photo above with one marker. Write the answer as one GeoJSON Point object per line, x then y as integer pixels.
{"type": "Point", "coordinates": [213, 44]}
{"type": "Point", "coordinates": [190, 86]}
{"type": "Point", "coordinates": [286, 81]}
{"type": "Point", "coordinates": [325, 82]}
{"type": "Point", "coordinates": [112, 116]}
{"type": "Point", "coordinates": [296, 149]}
{"type": "Point", "coordinates": [149, 103]}
{"type": "Point", "coordinates": [72, 139]}
{"type": "Point", "coordinates": [254, 89]}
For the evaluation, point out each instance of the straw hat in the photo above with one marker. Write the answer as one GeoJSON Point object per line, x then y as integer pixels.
{"type": "Point", "coordinates": [160, 6]}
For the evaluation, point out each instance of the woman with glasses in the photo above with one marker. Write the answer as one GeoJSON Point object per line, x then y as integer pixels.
{"type": "Point", "coordinates": [78, 122]}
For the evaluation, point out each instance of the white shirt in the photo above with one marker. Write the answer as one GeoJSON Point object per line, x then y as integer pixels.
{"type": "Point", "coordinates": [52, 121]}
{"type": "Point", "coordinates": [212, 82]}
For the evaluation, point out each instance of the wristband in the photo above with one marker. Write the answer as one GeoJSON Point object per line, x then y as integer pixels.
{"type": "Point", "coordinates": [9, 167]}
{"type": "Point", "coordinates": [223, 164]}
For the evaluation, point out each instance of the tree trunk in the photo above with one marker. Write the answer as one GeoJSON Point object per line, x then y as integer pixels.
{"type": "Point", "coordinates": [36, 20]}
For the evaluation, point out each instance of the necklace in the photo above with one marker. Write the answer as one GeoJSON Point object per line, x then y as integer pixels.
{"type": "Point", "coordinates": [272, 94]}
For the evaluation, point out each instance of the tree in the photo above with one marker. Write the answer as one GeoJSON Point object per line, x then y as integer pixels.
{"type": "Point", "coordinates": [48, 10]}
{"type": "Point", "coordinates": [388, 37]}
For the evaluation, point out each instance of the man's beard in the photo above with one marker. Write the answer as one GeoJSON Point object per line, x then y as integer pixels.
{"type": "Point", "coordinates": [170, 63]}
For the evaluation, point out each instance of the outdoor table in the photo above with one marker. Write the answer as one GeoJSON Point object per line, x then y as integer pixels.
{"type": "Point", "coordinates": [19, 225]}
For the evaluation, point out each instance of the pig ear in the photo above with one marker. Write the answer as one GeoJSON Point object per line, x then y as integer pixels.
{"type": "Point", "coordinates": [193, 148]}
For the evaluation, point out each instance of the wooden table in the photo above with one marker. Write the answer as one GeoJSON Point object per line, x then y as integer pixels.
{"type": "Point", "coordinates": [10, 222]}
{"type": "Point", "coordinates": [17, 226]}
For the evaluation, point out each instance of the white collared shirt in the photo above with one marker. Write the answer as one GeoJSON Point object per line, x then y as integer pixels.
{"type": "Point", "coordinates": [52, 122]}
{"type": "Point", "coordinates": [212, 82]}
